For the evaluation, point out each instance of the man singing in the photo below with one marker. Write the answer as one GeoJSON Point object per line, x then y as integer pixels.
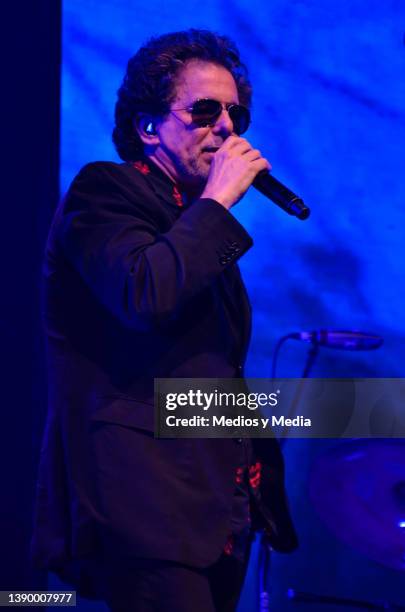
{"type": "Point", "coordinates": [141, 281]}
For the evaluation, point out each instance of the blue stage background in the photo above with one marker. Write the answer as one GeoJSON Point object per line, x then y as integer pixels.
{"type": "Point", "coordinates": [328, 112]}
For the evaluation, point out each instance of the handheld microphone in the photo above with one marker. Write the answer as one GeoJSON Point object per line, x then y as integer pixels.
{"type": "Point", "coordinates": [281, 195]}
{"type": "Point", "coordinates": [345, 340]}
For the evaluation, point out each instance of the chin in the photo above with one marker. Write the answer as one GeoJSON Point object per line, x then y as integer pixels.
{"type": "Point", "coordinates": [199, 175]}
{"type": "Point", "coordinates": [204, 169]}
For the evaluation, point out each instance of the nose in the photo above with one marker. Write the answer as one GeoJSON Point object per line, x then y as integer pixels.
{"type": "Point", "coordinates": [224, 124]}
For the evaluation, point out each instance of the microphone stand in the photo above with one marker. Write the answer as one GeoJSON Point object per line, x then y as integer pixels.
{"type": "Point", "coordinates": [265, 549]}
{"type": "Point", "coordinates": [312, 355]}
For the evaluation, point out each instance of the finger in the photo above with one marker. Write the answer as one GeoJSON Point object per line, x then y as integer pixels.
{"type": "Point", "coordinates": [253, 154]}
{"type": "Point", "coordinates": [258, 165]}
{"type": "Point", "coordinates": [236, 144]}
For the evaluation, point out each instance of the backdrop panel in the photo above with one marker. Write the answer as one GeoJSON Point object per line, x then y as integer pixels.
{"type": "Point", "coordinates": [328, 112]}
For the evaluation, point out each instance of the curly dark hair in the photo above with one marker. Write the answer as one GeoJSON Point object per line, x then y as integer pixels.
{"type": "Point", "coordinates": [149, 83]}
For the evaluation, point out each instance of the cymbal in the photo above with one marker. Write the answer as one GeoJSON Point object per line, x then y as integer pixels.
{"type": "Point", "coordinates": [358, 490]}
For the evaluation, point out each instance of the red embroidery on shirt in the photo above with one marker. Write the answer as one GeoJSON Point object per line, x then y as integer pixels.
{"type": "Point", "coordinates": [142, 167]}
{"type": "Point", "coordinates": [228, 548]}
{"type": "Point", "coordinates": [255, 472]}
{"type": "Point", "coordinates": [239, 475]}
{"type": "Point", "coordinates": [177, 196]}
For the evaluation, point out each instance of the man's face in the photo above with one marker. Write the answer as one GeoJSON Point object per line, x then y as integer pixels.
{"type": "Point", "coordinates": [185, 151]}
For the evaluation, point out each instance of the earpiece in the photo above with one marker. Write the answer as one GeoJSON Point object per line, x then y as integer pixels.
{"type": "Point", "coordinates": [150, 129]}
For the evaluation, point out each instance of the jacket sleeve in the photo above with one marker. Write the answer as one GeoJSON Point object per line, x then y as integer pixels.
{"type": "Point", "coordinates": [108, 232]}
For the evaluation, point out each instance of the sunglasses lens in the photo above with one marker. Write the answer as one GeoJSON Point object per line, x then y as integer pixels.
{"type": "Point", "coordinates": [206, 112]}
{"type": "Point", "coordinates": [240, 117]}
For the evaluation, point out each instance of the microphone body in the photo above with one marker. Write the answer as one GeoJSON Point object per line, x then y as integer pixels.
{"type": "Point", "coordinates": [281, 195]}
{"type": "Point", "coordinates": [345, 340]}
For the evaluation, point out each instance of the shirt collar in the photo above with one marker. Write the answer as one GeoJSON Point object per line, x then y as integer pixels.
{"type": "Point", "coordinates": [163, 186]}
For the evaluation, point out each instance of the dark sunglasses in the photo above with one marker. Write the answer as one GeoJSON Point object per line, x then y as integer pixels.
{"type": "Point", "coordinates": [205, 112]}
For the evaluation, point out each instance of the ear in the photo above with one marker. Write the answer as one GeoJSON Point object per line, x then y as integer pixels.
{"type": "Point", "coordinates": [145, 126]}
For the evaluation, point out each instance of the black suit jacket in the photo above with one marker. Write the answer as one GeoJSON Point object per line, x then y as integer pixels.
{"type": "Point", "coordinates": [137, 287]}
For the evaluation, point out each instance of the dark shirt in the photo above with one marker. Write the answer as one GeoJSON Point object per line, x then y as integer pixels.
{"type": "Point", "coordinates": [240, 517]}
